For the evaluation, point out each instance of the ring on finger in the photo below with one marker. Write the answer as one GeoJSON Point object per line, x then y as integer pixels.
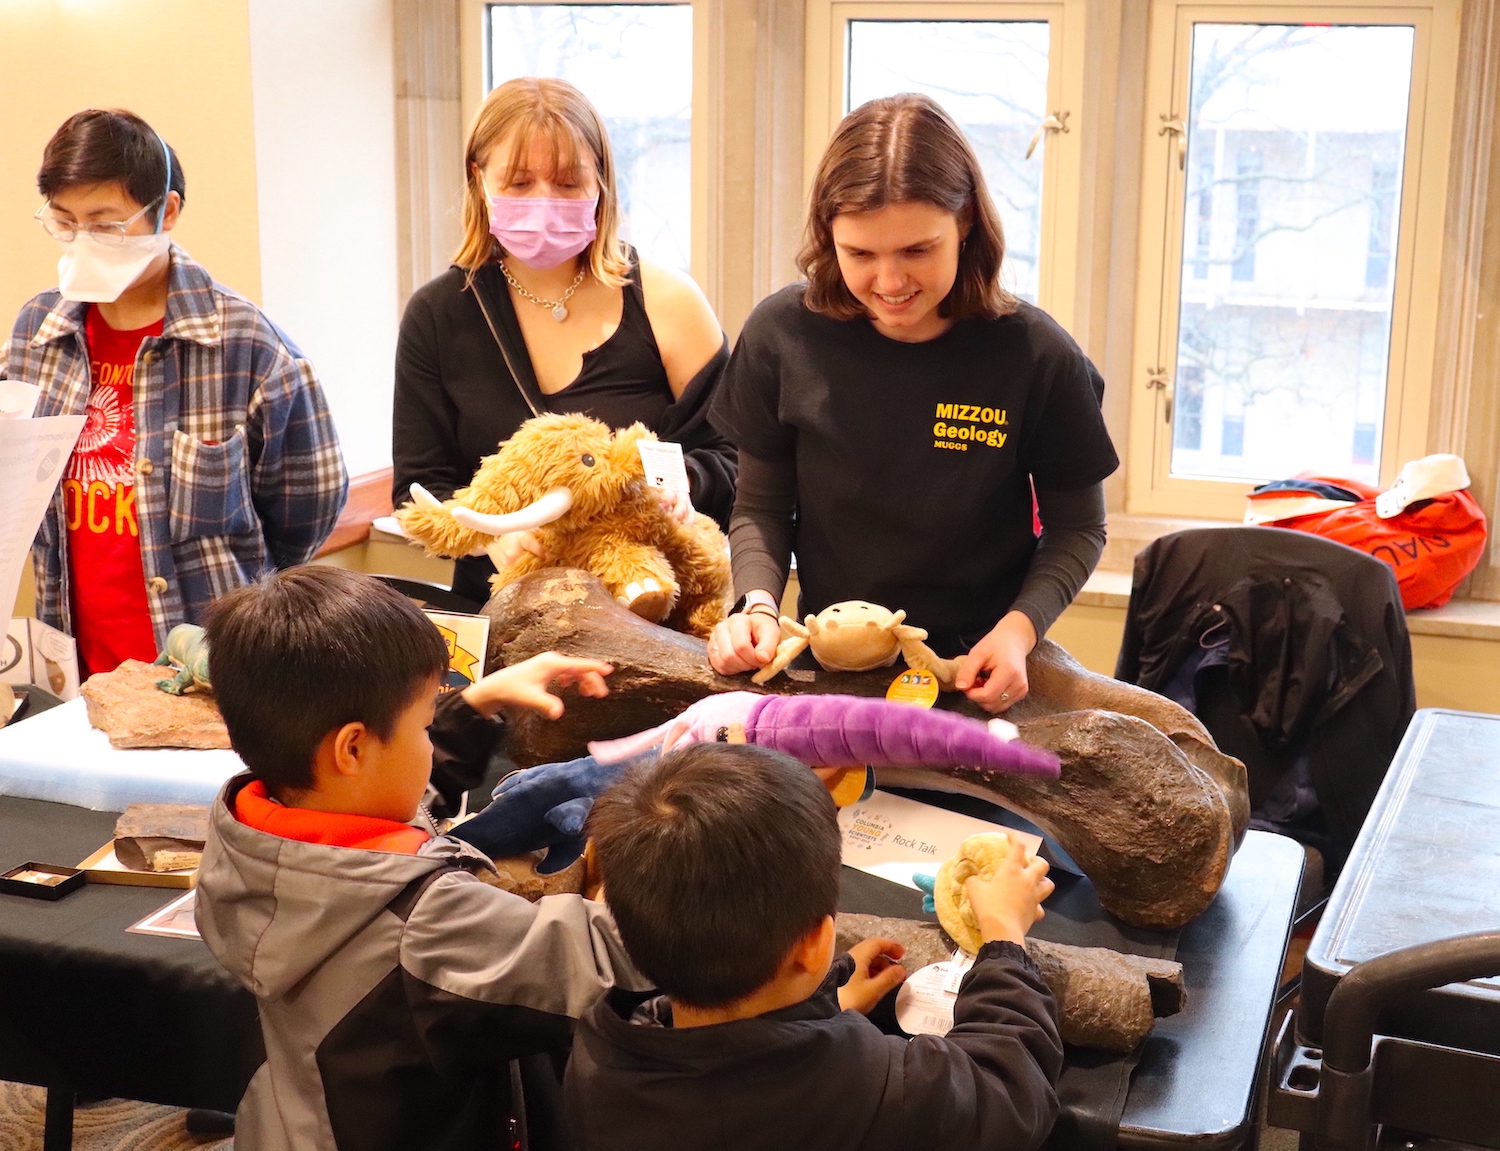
{"type": "Point", "coordinates": [1004, 696]}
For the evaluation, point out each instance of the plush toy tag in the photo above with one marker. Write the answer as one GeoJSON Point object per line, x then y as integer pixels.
{"type": "Point", "coordinates": [918, 688]}
{"type": "Point", "coordinates": [663, 463]}
{"type": "Point", "coordinates": [850, 785]}
{"type": "Point", "coordinates": [924, 1005]}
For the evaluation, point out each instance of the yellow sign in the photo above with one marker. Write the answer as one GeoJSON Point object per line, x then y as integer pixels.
{"type": "Point", "coordinates": [918, 688]}
{"type": "Point", "coordinates": [466, 637]}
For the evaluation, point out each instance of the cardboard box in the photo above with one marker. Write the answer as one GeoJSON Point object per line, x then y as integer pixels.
{"type": "Point", "coordinates": [33, 653]}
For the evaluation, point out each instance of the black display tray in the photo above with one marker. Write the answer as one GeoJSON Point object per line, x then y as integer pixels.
{"type": "Point", "coordinates": [1426, 867]}
{"type": "Point", "coordinates": [12, 884]}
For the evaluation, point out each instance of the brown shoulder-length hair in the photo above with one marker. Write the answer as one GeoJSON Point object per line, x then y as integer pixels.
{"type": "Point", "coordinates": [895, 150]}
{"type": "Point", "coordinates": [559, 113]}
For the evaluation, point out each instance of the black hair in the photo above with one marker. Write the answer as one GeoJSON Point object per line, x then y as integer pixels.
{"type": "Point", "coordinates": [94, 146]}
{"type": "Point", "coordinates": [715, 862]}
{"type": "Point", "coordinates": [303, 652]}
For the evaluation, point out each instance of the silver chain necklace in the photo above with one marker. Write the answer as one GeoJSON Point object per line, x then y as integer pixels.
{"type": "Point", "coordinates": [558, 308]}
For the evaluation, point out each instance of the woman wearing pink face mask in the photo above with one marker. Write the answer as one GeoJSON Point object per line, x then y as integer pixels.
{"type": "Point", "coordinates": [546, 310]}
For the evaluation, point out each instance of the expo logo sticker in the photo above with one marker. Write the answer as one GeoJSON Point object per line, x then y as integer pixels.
{"type": "Point", "coordinates": [48, 466]}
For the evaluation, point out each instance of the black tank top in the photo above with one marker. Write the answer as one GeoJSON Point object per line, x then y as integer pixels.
{"type": "Point", "coordinates": [623, 379]}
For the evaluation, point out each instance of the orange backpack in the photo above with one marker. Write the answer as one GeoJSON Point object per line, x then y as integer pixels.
{"type": "Point", "coordinates": [1432, 545]}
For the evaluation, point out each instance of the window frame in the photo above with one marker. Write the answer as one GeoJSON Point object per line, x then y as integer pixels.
{"type": "Point", "coordinates": [1151, 489]}
{"type": "Point", "coordinates": [474, 53]}
{"type": "Point", "coordinates": [826, 70]}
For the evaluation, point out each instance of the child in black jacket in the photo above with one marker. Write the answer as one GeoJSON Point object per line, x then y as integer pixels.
{"type": "Point", "coordinates": [721, 865]}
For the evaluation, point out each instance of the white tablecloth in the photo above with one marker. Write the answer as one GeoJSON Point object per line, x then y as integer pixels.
{"type": "Point", "coordinates": [58, 756]}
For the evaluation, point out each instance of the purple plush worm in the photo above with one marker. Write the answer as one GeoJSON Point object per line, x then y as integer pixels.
{"type": "Point", "coordinates": [839, 730]}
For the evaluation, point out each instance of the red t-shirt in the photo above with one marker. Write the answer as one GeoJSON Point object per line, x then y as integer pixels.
{"type": "Point", "coordinates": [111, 619]}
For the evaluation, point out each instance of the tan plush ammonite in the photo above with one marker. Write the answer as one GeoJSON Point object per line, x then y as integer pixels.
{"type": "Point", "coordinates": [979, 855]}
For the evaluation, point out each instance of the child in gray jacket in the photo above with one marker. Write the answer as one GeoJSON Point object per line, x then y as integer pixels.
{"type": "Point", "coordinates": [395, 987]}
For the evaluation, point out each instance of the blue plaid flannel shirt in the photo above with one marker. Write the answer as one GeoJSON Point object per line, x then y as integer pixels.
{"type": "Point", "coordinates": [238, 468]}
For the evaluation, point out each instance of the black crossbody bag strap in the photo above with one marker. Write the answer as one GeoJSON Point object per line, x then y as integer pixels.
{"type": "Point", "coordinates": [528, 391]}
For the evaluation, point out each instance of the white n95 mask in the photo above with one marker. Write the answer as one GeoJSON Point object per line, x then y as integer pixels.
{"type": "Point", "coordinates": [98, 272]}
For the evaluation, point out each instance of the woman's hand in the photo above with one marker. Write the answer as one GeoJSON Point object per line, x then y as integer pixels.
{"type": "Point", "coordinates": [507, 549]}
{"type": "Point", "coordinates": [1000, 656]}
{"type": "Point", "coordinates": [745, 641]}
{"type": "Point", "coordinates": [678, 505]}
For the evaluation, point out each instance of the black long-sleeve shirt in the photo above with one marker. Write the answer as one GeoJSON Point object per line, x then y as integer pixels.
{"type": "Point", "coordinates": [811, 1075]}
{"type": "Point", "coordinates": [762, 531]}
{"type": "Point", "coordinates": [915, 463]}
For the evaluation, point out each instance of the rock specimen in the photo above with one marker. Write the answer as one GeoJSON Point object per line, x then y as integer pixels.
{"type": "Point", "coordinates": [1152, 828]}
{"type": "Point", "coordinates": [161, 836]}
{"type": "Point", "coordinates": [128, 707]}
{"type": "Point", "coordinates": [1059, 683]}
{"type": "Point", "coordinates": [1149, 829]}
{"type": "Point", "coordinates": [518, 875]}
{"type": "Point", "coordinates": [1106, 999]}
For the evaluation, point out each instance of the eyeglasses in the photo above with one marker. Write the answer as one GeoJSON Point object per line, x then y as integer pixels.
{"type": "Point", "coordinates": [106, 231]}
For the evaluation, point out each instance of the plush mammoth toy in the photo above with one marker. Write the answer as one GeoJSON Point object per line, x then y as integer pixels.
{"type": "Point", "coordinates": [582, 490]}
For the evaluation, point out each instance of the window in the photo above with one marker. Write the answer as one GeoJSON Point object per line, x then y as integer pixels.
{"type": "Point", "coordinates": [634, 61]}
{"type": "Point", "coordinates": [991, 75]}
{"type": "Point", "coordinates": [1000, 71]}
{"type": "Point", "coordinates": [1293, 189]}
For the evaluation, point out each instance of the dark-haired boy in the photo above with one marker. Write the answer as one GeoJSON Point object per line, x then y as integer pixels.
{"type": "Point", "coordinates": [721, 866]}
{"type": "Point", "coordinates": [395, 988]}
{"type": "Point", "coordinates": [208, 456]}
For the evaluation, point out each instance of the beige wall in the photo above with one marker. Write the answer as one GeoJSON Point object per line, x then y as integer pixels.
{"type": "Point", "coordinates": [184, 65]}
{"type": "Point", "coordinates": [283, 115]}
{"type": "Point", "coordinates": [323, 84]}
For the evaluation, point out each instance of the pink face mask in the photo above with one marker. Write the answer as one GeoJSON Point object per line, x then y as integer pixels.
{"type": "Point", "coordinates": [542, 233]}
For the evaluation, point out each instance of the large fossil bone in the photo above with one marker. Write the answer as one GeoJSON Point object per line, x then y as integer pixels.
{"type": "Point", "coordinates": [1151, 828]}
{"type": "Point", "coordinates": [1105, 999]}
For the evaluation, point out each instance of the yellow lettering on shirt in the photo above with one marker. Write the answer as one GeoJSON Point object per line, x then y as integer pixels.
{"type": "Point", "coordinates": [73, 503]}
{"type": "Point", "coordinates": [98, 488]}
{"type": "Point", "coordinates": [972, 430]}
{"type": "Point", "coordinates": [112, 375]}
{"type": "Point", "coordinates": [125, 510]}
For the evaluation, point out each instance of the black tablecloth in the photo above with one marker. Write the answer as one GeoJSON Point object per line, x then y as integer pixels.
{"type": "Point", "coordinates": [85, 1004]}
{"type": "Point", "coordinates": [1094, 1084]}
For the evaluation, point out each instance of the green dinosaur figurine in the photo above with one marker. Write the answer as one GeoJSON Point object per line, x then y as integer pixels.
{"type": "Point", "coordinates": [187, 649]}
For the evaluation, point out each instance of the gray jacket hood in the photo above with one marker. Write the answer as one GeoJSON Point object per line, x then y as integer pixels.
{"type": "Point", "coordinates": [281, 907]}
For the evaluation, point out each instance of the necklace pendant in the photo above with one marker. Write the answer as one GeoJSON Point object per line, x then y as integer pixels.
{"type": "Point", "coordinates": [559, 312]}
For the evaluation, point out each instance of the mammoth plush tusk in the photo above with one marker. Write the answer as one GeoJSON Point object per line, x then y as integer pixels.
{"type": "Point", "coordinates": [552, 506]}
{"type": "Point", "coordinates": [424, 498]}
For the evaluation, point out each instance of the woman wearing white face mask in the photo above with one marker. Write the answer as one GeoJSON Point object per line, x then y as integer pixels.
{"type": "Point", "coordinates": [207, 456]}
{"type": "Point", "coordinates": [545, 310]}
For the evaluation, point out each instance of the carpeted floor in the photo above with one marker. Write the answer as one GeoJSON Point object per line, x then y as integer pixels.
{"type": "Point", "coordinates": [109, 1125]}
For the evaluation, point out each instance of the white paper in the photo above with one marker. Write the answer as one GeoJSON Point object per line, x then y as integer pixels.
{"type": "Point", "coordinates": [18, 399]}
{"type": "Point", "coordinates": [894, 838]}
{"type": "Point", "coordinates": [33, 454]}
{"type": "Point", "coordinates": [664, 467]}
{"type": "Point", "coordinates": [175, 920]}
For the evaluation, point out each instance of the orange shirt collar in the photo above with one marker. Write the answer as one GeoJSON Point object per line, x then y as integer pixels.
{"type": "Point", "coordinates": [254, 807]}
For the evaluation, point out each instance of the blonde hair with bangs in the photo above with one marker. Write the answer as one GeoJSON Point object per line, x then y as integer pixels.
{"type": "Point", "coordinates": [529, 106]}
